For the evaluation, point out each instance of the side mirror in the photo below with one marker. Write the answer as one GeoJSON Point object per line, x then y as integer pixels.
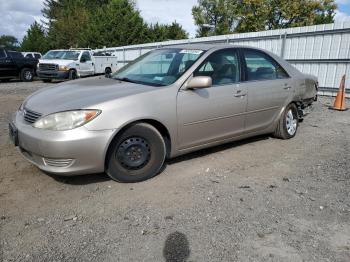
{"type": "Point", "coordinates": [199, 82]}
{"type": "Point", "coordinates": [83, 60]}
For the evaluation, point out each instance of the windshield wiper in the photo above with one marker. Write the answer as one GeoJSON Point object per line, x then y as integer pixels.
{"type": "Point", "coordinates": [125, 79]}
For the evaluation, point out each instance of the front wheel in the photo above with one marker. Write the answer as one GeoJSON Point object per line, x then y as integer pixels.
{"type": "Point", "coordinates": [72, 75]}
{"type": "Point", "coordinates": [27, 75]}
{"type": "Point", "coordinates": [136, 155]}
{"type": "Point", "coordinates": [288, 123]}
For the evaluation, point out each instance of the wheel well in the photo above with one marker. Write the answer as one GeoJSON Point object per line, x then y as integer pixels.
{"type": "Point", "coordinates": [298, 105]}
{"type": "Point", "coordinates": [156, 124]}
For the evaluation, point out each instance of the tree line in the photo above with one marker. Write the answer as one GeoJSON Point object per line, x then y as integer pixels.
{"type": "Point", "coordinates": [99, 23]}
{"type": "Point", "coordinates": [218, 17]}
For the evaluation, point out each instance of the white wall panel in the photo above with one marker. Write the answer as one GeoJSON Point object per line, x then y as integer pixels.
{"type": "Point", "coordinates": [325, 44]}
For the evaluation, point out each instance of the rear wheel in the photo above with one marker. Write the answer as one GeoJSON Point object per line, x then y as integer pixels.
{"type": "Point", "coordinates": [288, 123]}
{"type": "Point", "coordinates": [27, 75]}
{"type": "Point", "coordinates": [108, 72]}
{"type": "Point", "coordinates": [136, 155]}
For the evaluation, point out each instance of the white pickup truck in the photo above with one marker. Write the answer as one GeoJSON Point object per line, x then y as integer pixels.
{"type": "Point", "coordinates": [74, 63]}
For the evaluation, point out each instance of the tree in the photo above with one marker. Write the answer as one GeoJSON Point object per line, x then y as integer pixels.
{"type": "Point", "coordinates": [35, 40]}
{"type": "Point", "coordinates": [8, 42]}
{"type": "Point", "coordinates": [114, 24]}
{"type": "Point", "coordinates": [159, 32]}
{"type": "Point", "coordinates": [98, 23]}
{"type": "Point", "coordinates": [175, 31]}
{"type": "Point", "coordinates": [65, 20]}
{"type": "Point", "coordinates": [285, 13]}
{"type": "Point", "coordinates": [215, 17]}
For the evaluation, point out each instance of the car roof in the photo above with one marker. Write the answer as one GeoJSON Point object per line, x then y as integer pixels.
{"type": "Point", "coordinates": [66, 50]}
{"type": "Point", "coordinates": [206, 47]}
{"type": "Point", "coordinates": [203, 47]}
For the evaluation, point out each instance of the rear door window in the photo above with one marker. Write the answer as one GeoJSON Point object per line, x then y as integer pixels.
{"type": "Point", "coordinates": [14, 54]}
{"type": "Point", "coordinates": [260, 66]}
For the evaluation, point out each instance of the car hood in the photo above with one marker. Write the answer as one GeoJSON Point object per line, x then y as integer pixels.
{"type": "Point", "coordinates": [57, 61]}
{"type": "Point", "coordinates": [82, 94]}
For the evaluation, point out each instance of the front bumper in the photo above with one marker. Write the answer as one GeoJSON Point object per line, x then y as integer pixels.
{"type": "Point", "coordinates": [72, 152]}
{"type": "Point", "coordinates": [50, 74]}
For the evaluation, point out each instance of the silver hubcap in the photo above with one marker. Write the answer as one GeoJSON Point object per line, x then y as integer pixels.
{"type": "Point", "coordinates": [28, 75]}
{"type": "Point", "coordinates": [291, 123]}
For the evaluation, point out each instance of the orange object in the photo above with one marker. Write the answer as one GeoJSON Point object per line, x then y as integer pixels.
{"type": "Point", "coordinates": [339, 103]}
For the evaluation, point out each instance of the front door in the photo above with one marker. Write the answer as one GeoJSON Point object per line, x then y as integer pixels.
{"type": "Point", "coordinates": [86, 67]}
{"type": "Point", "coordinates": [215, 113]}
{"type": "Point", "coordinates": [269, 87]}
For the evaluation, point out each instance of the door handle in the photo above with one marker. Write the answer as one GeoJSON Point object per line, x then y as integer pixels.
{"type": "Point", "coordinates": [287, 86]}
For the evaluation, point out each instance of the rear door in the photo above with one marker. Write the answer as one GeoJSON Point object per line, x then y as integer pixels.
{"type": "Point", "coordinates": [3, 63]}
{"type": "Point", "coordinates": [8, 66]}
{"type": "Point", "coordinates": [269, 87]}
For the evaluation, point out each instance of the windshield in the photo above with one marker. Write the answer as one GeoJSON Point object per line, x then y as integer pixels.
{"type": "Point", "coordinates": [161, 67]}
{"type": "Point", "coordinates": [67, 55]}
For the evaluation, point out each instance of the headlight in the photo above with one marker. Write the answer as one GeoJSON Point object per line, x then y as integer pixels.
{"type": "Point", "coordinates": [66, 120]}
{"type": "Point", "coordinates": [63, 68]}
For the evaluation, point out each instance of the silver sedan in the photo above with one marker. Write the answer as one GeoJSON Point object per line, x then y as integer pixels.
{"type": "Point", "coordinates": [166, 103]}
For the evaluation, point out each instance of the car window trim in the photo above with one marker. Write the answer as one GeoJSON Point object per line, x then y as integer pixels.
{"type": "Point", "coordinates": [245, 68]}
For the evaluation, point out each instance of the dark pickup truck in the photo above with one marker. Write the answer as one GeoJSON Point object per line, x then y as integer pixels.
{"type": "Point", "coordinates": [14, 65]}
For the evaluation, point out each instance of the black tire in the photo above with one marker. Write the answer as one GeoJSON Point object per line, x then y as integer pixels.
{"type": "Point", "coordinates": [282, 131]}
{"type": "Point", "coordinates": [136, 155]}
{"type": "Point", "coordinates": [108, 72]}
{"type": "Point", "coordinates": [72, 75]}
{"type": "Point", "coordinates": [47, 80]}
{"type": "Point", "coordinates": [27, 75]}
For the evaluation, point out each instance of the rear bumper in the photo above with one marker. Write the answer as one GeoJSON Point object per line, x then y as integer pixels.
{"type": "Point", "coordinates": [49, 74]}
{"type": "Point", "coordinates": [72, 152]}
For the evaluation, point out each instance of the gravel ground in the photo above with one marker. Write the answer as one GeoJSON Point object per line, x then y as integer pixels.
{"type": "Point", "coordinates": [261, 199]}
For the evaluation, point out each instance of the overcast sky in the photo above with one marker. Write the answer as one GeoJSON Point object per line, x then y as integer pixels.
{"type": "Point", "coordinates": [17, 15]}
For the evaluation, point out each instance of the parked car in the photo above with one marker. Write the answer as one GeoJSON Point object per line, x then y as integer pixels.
{"type": "Point", "coordinates": [74, 63]}
{"type": "Point", "coordinates": [168, 102]}
{"type": "Point", "coordinates": [14, 65]}
{"type": "Point", "coordinates": [34, 55]}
